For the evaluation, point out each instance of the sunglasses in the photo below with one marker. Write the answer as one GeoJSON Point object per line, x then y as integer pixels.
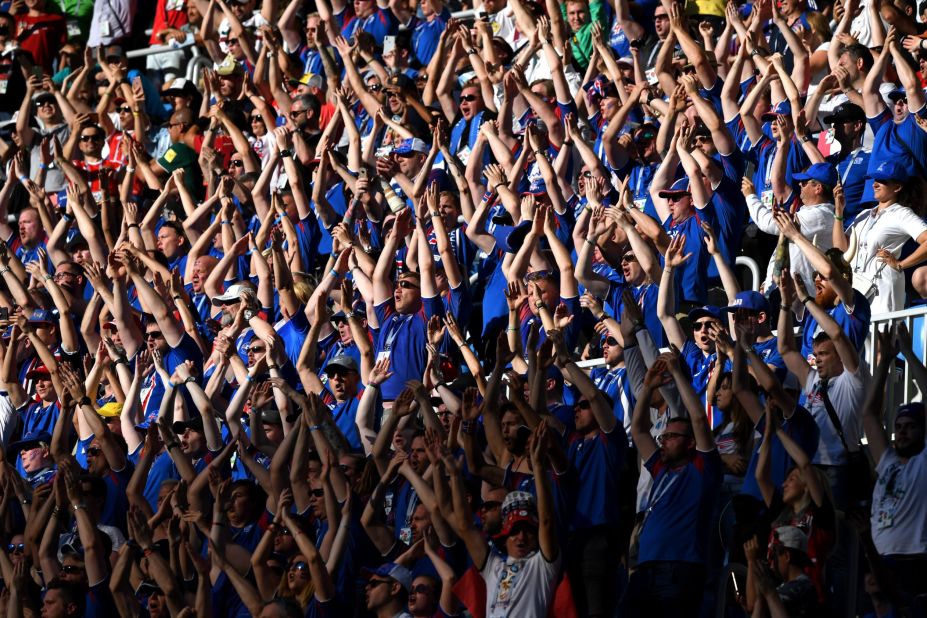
{"type": "Point", "coordinates": [677, 198]}
{"type": "Point", "coordinates": [285, 531]}
{"type": "Point", "coordinates": [469, 98]}
{"type": "Point", "coordinates": [317, 493]}
{"type": "Point", "coordinates": [70, 569]}
{"type": "Point", "coordinates": [668, 435]}
{"type": "Point", "coordinates": [257, 119]}
{"type": "Point", "coordinates": [93, 451]}
{"type": "Point", "coordinates": [237, 163]}
{"type": "Point", "coordinates": [16, 548]}
{"type": "Point", "coordinates": [537, 275]}
{"type": "Point", "coordinates": [587, 174]}
{"type": "Point", "coordinates": [254, 350]}
{"type": "Point", "coordinates": [406, 285]}
{"type": "Point", "coordinates": [611, 341]}
{"type": "Point", "coordinates": [373, 583]}
{"type": "Point", "coordinates": [698, 326]}
{"type": "Point", "coordinates": [583, 404]}
{"type": "Point", "coordinates": [96, 137]}
{"type": "Point", "coordinates": [232, 41]}
{"type": "Point", "coordinates": [299, 566]}
{"type": "Point", "coordinates": [124, 109]}
{"type": "Point", "coordinates": [375, 88]}
{"type": "Point", "coordinates": [627, 258]}
{"type": "Point", "coordinates": [421, 589]}
{"type": "Point", "coordinates": [155, 334]}
{"type": "Point", "coordinates": [490, 505]}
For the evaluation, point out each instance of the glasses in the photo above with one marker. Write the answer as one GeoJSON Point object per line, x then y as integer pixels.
{"type": "Point", "coordinates": [803, 183]}
{"type": "Point", "coordinates": [627, 258]}
{"type": "Point", "coordinates": [421, 589]}
{"type": "Point", "coordinates": [16, 548]}
{"type": "Point", "coordinates": [257, 119]}
{"type": "Point", "coordinates": [669, 435]}
{"type": "Point", "coordinates": [583, 404]}
{"type": "Point", "coordinates": [299, 566]}
{"type": "Point", "coordinates": [237, 163]}
{"type": "Point", "coordinates": [96, 137]}
{"type": "Point", "coordinates": [254, 350]}
{"type": "Point", "coordinates": [65, 273]}
{"type": "Point", "coordinates": [285, 532]}
{"type": "Point", "coordinates": [295, 113]}
{"type": "Point", "coordinates": [611, 341]}
{"type": "Point", "coordinates": [587, 174]}
{"type": "Point", "coordinates": [701, 325]}
{"type": "Point", "coordinates": [124, 109]}
{"type": "Point", "coordinates": [155, 334]}
{"type": "Point", "coordinates": [661, 16]}
{"type": "Point", "coordinates": [93, 451]}
{"type": "Point", "coordinates": [490, 505]}
{"type": "Point", "coordinates": [374, 87]}
{"type": "Point", "coordinates": [469, 98]}
{"type": "Point", "coordinates": [406, 284]}
{"type": "Point", "coordinates": [70, 569]}
{"type": "Point", "coordinates": [677, 198]}
{"type": "Point", "coordinates": [538, 275]}
{"type": "Point", "coordinates": [232, 41]}
{"type": "Point", "coordinates": [317, 493]}
{"type": "Point", "coordinates": [45, 102]}
{"type": "Point", "coordinates": [176, 124]}
{"type": "Point", "coordinates": [373, 583]}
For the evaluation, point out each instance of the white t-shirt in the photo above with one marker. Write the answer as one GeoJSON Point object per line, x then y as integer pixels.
{"type": "Point", "coordinates": [846, 394]}
{"type": "Point", "coordinates": [890, 229]}
{"type": "Point", "coordinates": [899, 511]}
{"type": "Point", "coordinates": [519, 588]}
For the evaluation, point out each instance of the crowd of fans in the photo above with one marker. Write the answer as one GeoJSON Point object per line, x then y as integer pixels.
{"type": "Point", "coordinates": [350, 309]}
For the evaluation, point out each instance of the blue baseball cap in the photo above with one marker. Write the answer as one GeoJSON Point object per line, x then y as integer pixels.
{"type": "Point", "coordinates": [750, 301]}
{"type": "Point", "coordinates": [783, 108]}
{"type": "Point", "coordinates": [913, 410]}
{"type": "Point", "coordinates": [410, 146]}
{"type": "Point", "coordinates": [889, 171]}
{"type": "Point", "coordinates": [824, 173]}
{"type": "Point", "coordinates": [898, 93]}
{"type": "Point", "coordinates": [30, 440]}
{"type": "Point", "coordinates": [680, 187]}
{"type": "Point", "coordinates": [42, 316]}
{"type": "Point", "coordinates": [392, 570]}
{"type": "Point", "coordinates": [509, 238]}
{"type": "Point", "coordinates": [707, 311]}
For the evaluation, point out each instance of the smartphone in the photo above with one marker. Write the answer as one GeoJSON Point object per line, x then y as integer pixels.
{"type": "Point", "coordinates": [636, 43]}
{"type": "Point", "coordinates": [362, 174]}
{"type": "Point", "coordinates": [4, 313]}
{"type": "Point", "coordinates": [481, 15]}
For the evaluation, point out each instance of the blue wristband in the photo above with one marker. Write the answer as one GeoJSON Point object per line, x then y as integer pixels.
{"type": "Point", "coordinates": [334, 273]}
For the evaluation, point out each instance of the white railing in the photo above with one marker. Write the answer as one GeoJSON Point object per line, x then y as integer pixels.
{"type": "Point", "coordinates": [158, 49]}
{"type": "Point", "coordinates": [750, 264]}
{"type": "Point", "coordinates": [904, 390]}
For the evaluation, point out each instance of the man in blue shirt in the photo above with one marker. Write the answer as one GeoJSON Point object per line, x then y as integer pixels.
{"type": "Point", "coordinates": [752, 320]}
{"type": "Point", "coordinates": [342, 396]}
{"type": "Point", "coordinates": [852, 162]}
{"type": "Point", "coordinates": [687, 471]}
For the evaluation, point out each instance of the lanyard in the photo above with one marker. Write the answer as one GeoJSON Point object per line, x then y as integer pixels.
{"type": "Point", "coordinates": [846, 172]}
{"type": "Point", "coordinates": [391, 336]}
{"type": "Point", "coordinates": [658, 491]}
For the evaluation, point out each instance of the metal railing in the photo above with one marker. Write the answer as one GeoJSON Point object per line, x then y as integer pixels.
{"type": "Point", "coordinates": [905, 389]}
{"type": "Point", "coordinates": [158, 49]}
{"type": "Point", "coordinates": [750, 264]}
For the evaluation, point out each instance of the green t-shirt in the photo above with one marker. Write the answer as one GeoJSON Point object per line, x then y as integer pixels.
{"type": "Point", "coordinates": [581, 41]}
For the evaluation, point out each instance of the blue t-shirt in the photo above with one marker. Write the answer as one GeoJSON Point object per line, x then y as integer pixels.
{"type": "Point", "coordinates": [595, 466]}
{"type": "Point", "coordinates": [344, 415]}
{"type": "Point", "coordinates": [379, 24]}
{"type": "Point", "coordinates": [691, 280]}
{"type": "Point", "coordinates": [402, 339]}
{"type": "Point", "coordinates": [615, 384]}
{"type": "Point", "coordinates": [680, 507]}
{"type": "Point", "coordinates": [852, 168]}
{"type": "Point", "coordinates": [904, 143]}
{"type": "Point", "coordinates": [425, 36]}
{"type": "Point", "coordinates": [855, 325]}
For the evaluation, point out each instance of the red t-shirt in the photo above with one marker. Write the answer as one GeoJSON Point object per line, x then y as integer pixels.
{"type": "Point", "coordinates": [92, 174]}
{"type": "Point", "coordinates": [42, 36]}
{"type": "Point", "coordinates": [169, 14]}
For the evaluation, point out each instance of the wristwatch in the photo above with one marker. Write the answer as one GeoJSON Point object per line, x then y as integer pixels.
{"type": "Point", "coordinates": [286, 152]}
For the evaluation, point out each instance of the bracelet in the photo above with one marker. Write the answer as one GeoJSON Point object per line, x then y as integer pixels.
{"type": "Point", "coordinates": [85, 401]}
{"type": "Point", "coordinates": [334, 273]}
{"type": "Point", "coordinates": [226, 223]}
{"type": "Point", "coordinates": [130, 169]}
{"type": "Point", "coordinates": [121, 359]}
{"type": "Point", "coordinates": [538, 304]}
{"type": "Point", "coordinates": [804, 140]}
{"type": "Point", "coordinates": [784, 307]}
{"type": "Point", "coordinates": [23, 179]}
{"type": "Point", "coordinates": [188, 380]}
{"type": "Point", "coordinates": [286, 152]}
{"type": "Point", "coordinates": [78, 506]}
{"type": "Point", "coordinates": [314, 427]}
{"type": "Point", "coordinates": [248, 378]}
{"type": "Point", "coordinates": [805, 300]}
{"type": "Point", "coordinates": [47, 278]}
{"type": "Point", "coordinates": [67, 218]}
{"type": "Point", "coordinates": [177, 297]}
{"type": "Point", "coordinates": [435, 214]}
{"type": "Point", "coordinates": [131, 225]}
{"type": "Point", "coordinates": [147, 551]}
{"type": "Point", "coordinates": [495, 189]}
{"type": "Point", "coordinates": [471, 51]}
{"type": "Point", "coordinates": [838, 217]}
{"type": "Point", "coordinates": [468, 427]}
{"type": "Point", "coordinates": [373, 385]}
{"type": "Point", "coordinates": [42, 166]}
{"type": "Point", "coordinates": [591, 242]}
{"type": "Point", "coordinates": [56, 510]}
{"type": "Point", "coordinates": [511, 330]}
{"type": "Point", "coordinates": [171, 384]}
{"type": "Point", "coordinates": [487, 195]}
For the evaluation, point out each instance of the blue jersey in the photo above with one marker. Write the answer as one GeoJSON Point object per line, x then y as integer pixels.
{"type": "Point", "coordinates": [691, 281]}
{"type": "Point", "coordinates": [855, 325]}
{"type": "Point", "coordinates": [595, 467]}
{"type": "Point", "coordinates": [402, 339]}
{"type": "Point", "coordinates": [680, 506]}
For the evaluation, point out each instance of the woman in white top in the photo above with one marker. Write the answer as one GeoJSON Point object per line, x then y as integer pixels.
{"type": "Point", "coordinates": [876, 237]}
